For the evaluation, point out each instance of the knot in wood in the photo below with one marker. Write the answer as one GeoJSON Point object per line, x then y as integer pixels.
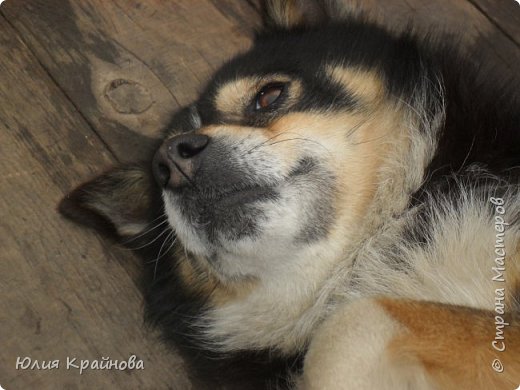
{"type": "Point", "coordinates": [128, 97]}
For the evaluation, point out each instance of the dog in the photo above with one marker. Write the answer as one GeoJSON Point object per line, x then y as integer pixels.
{"type": "Point", "coordinates": [340, 209]}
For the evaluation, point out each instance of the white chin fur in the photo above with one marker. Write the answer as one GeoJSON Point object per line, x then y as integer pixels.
{"type": "Point", "coordinates": [259, 256]}
{"type": "Point", "coordinates": [184, 230]}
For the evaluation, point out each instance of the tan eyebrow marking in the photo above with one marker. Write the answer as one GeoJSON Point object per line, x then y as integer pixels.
{"type": "Point", "coordinates": [235, 94]}
{"type": "Point", "coordinates": [364, 84]}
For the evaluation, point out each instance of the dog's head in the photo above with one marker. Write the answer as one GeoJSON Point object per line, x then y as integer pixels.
{"type": "Point", "coordinates": [286, 149]}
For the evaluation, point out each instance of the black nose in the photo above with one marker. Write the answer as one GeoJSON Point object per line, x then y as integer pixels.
{"type": "Point", "coordinates": [178, 158]}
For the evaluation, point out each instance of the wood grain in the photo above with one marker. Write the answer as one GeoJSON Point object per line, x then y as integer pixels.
{"type": "Point", "coordinates": [64, 293]}
{"type": "Point", "coordinates": [477, 29]}
{"type": "Point", "coordinates": [127, 65]}
{"type": "Point", "coordinates": [504, 14]}
{"type": "Point", "coordinates": [84, 84]}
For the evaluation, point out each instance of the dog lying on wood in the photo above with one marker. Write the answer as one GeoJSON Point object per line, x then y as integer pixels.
{"type": "Point", "coordinates": [340, 209]}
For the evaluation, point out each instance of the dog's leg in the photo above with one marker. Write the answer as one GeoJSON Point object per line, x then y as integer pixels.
{"type": "Point", "coordinates": [400, 344]}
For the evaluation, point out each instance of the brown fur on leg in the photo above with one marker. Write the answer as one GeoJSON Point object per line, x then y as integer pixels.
{"type": "Point", "coordinates": [389, 344]}
{"type": "Point", "coordinates": [454, 344]}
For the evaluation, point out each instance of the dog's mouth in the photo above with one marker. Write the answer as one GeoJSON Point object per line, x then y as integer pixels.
{"type": "Point", "coordinates": [232, 196]}
{"type": "Point", "coordinates": [241, 193]}
{"type": "Point", "coordinates": [230, 199]}
{"type": "Point", "coordinates": [232, 212]}
{"type": "Point", "coordinates": [242, 196]}
{"type": "Point", "coordinates": [238, 210]}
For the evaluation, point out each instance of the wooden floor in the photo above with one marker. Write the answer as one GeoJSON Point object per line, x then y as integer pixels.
{"type": "Point", "coordinates": [86, 84]}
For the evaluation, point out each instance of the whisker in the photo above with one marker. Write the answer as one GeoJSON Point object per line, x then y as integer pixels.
{"type": "Point", "coordinates": [159, 256]}
{"type": "Point", "coordinates": [355, 128]}
{"type": "Point", "coordinates": [262, 143]}
{"type": "Point", "coordinates": [372, 140]}
{"type": "Point", "coordinates": [300, 139]}
{"type": "Point", "coordinates": [267, 140]}
{"type": "Point", "coordinates": [133, 238]}
{"type": "Point", "coordinates": [151, 242]}
{"type": "Point", "coordinates": [467, 155]}
{"type": "Point", "coordinates": [161, 248]}
{"type": "Point", "coordinates": [130, 239]}
{"type": "Point", "coordinates": [243, 140]}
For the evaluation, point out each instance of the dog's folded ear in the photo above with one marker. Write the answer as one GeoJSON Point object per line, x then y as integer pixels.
{"type": "Point", "coordinates": [121, 202]}
{"type": "Point", "coordinates": [287, 14]}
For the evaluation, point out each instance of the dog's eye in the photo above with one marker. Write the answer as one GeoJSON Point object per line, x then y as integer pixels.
{"type": "Point", "coordinates": [268, 95]}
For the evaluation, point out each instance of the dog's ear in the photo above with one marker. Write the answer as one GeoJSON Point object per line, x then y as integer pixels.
{"type": "Point", "coordinates": [287, 14]}
{"type": "Point", "coordinates": [121, 202]}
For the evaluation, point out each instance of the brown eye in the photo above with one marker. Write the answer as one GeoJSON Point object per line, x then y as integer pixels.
{"type": "Point", "coordinates": [268, 95]}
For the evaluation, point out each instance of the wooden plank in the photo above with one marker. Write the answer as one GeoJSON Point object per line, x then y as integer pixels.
{"type": "Point", "coordinates": [461, 20]}
{"type": "Point", "coordinates": [451, 17]}
{"type": "Point", "coordinates": [127, 65]}
{"type": "Point", "coordinates": [64, 294]}
{"type": "Point", "coordinates": [504, 14]}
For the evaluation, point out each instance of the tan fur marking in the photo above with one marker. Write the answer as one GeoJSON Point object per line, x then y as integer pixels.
{"type": "Point", "coordinates": [222, 131]}
{"type": "Point", "coordinates": [454, 344]}
{"type": "Point", "coordinates": [366, 85]}
{"type": "Point", "coordinates": [235, 94]}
